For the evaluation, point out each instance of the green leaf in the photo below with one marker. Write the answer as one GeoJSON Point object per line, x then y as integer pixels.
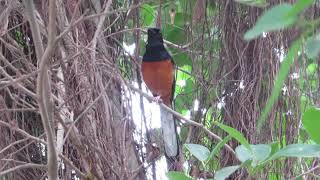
{"type": "Point", "coordinates": [175, 175]}
{"type": "Point", "coordinates": [225, 172]}
{"type": "Point", "coordinates": [199, 151]}
{"type": "Point", "coordinates": [254, 3]}
{"type": "Point", "coordinates": [311, 122]}
{"type": "Point", "coordinates": [299, 151]}
{"type": "Point", "coordinates": [179, 19]}
{"type": "Point", "coordinates": [312, 68]}
{"type": "Point", "coordinates": [219, 146]}
{"type": "Point", "coordinates": [274, 19]}
{"type": "Point", "coordinates": [275, 146]}
{"type": "Point", "coordinates": [180, 58]}
{"type": "Point", "coordinates": [235, 134]}
{"type": "Point", "coordinates": [299, 6]}
{"type": "Point", "coordinates": [313, 47]}
{"type": "Point", "coordinates": [183, 133]}
{"type": "Point", "coordinates": [260, 152]}
{"type": "Point", "coordinates": [147, 15]}
{"type": "Point", "coordinates": [281, 77]}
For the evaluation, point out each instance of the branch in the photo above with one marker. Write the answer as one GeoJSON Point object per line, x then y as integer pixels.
{"type": "Point", "coordinates": [12, 144]}
{"type": "Point", "coordinates": [17, 80]}
{"type": "Point", "coordinates": [98, 30]}
{"type": "Point", "coordinates": [307, 172]}
{"type": "Point", "coordinates": [88, 107]}
{"type": "Point", "coordinates": [181, 117]}
{"type": "Point", "coordinates": [43, 81]}
{"type": "Point", "coordinates": [30, 137]}
{"type": "Point", "coordinates": [24, 166]}
{"type": "Point", "coordinates": [22, 132]}
{"type": "Point", "coordinates": [69, 163]}
{"type": "Point", "coordinates": [27, 91]}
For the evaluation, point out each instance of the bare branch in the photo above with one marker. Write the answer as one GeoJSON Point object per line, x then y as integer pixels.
{"type": "Point", "coordinates": [181, 117]}
{"type": "Point", "coordinates": [24, 166]}
{"type": "Point", "coordinates": [43, 81]}
{"type": "Point", "coordinates": [22, 132]}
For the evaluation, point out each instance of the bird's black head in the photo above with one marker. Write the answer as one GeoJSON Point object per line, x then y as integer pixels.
{"type": "Point", "coordinates": [154, 37]}
{"type": "Point", "coordinates": [155, 51]}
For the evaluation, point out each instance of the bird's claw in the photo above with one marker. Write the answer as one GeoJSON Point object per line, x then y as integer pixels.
{"type": "Point", "coordinates": [157, 99]}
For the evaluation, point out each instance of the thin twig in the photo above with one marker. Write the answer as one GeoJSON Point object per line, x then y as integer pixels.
{"type": "Point", "coordinates": [22, 132]}
{"type": "Point", "coordinates": [69, 163]}
{"type": "Point", "coordinates": [24, 166]}
{"type": "Point", "coordinates": [307, 172]}
{"type": "Point", "coordinates": [181, 117]}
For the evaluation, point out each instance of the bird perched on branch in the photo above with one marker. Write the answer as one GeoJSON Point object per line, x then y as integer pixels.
{"type": "Point", "coordinates": [158, 74]}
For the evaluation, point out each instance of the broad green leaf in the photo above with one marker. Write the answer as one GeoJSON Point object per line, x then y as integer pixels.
{"type": "Point", "coordinates": [281, 77]}
{"type": "Point", "coordinates": [199, 151]}
{"type": "Point", "coordinates": [313, 47]}
{"type": "Point", "coordinates": [174, 35]}
{"type": "Point", "coordinates": [275, 146]}
{"type": "Point", "coordinates": [272, 20]}
{"type": "Point", "coordinates": [299, 151]}
{"type": "Point", "coordinates": [180, 58]}
{"type": "Point", "coordinates": [183, 133]}
{"type": "Point", "coordinates": [260, 152]}
{"type": "Point", "coordinates": [175, 175]}
{"type": "Point", "coordinates": [217, 148]}
{"type": "Point", "coordinates": [243, 154]}
{"type": "Point", "coordinates": [147, 15]}
{"type": "Point", "coordinates": [188, 93]}
{"type": "Point", "coordinates": [299, 6]}
{"type": "Point", "coordinates": [235, 134]}
{"type": "Point", "coordinates": [179, 19]}
{"type": "Point", "coordinates": [225, 172]}
{"type": "Point", "coordinates": [254, 3]}
{"type": "Point", "coordinates": [312, 68]}
{"type": "Point", "coordinates": [311, 122]}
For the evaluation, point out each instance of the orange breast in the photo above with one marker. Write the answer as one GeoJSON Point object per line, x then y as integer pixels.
{"type": "Point", "coordinates": [159, 77]}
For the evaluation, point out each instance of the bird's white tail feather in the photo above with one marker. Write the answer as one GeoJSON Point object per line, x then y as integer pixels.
{"type": "Point", "coordinates": [169, 133]}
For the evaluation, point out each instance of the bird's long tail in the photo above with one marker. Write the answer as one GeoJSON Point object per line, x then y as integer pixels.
{"type": "Point", "coordinates": [170, 137]}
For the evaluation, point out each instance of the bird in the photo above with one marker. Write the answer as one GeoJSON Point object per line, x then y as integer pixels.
{"type": "Point", "coordinates": [158, 73]}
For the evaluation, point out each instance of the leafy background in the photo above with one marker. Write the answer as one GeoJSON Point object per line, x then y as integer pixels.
{"type": "Point", "coordinates": [247, 74]}
{"type": "Point", "coordinates": [252, 69]}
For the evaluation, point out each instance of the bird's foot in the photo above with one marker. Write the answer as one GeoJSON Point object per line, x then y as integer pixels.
{"type": "Point", "coordinates": [157, 99]}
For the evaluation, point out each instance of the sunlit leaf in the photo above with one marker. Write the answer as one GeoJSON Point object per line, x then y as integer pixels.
{"type": "Point", "coordinates": [175, 175]}
{"type": "Point", "coordinates": [312, 68]}
{"type": "Point", "coordinates": [273, 19]}
{"type": "Point", "coordinates": [313, 47]}
{"type": "Point", "coordinates": [254, 3]}
{"type": "Point", "coordinates": [311, 122]}
{"type": "Point", "coordinates": [299, 151]}
{"type": "Point", "coordinates": [299, 6]}
{"type": "Point", "coordinates": [259, 153]}
{"type": "Point", "coordinates": [199, 151]}
{"type": "Point", "coordinates": [235, 134]}
{"type": "Point", "coordinates": [225, 172]}
{"type": "Point", "coordinates": [147, 15]}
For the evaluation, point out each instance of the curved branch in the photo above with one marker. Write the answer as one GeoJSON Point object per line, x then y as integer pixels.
{"type": "Point", "coordinates": [181, 117]}
{"type": "Point", "coordinates": [43, 81]}
{"type": "Point", "coordinates": [24, 166]}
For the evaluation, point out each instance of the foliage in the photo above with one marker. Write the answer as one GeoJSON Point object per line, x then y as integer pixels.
{"type": "Point", "coordinates": [279, 17]}
{"type": "Point", "coordinates": [248, 73]}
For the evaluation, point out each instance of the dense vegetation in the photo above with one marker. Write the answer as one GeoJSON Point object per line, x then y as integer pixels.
{"type": "Point", "coordinates": [247, 92]}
